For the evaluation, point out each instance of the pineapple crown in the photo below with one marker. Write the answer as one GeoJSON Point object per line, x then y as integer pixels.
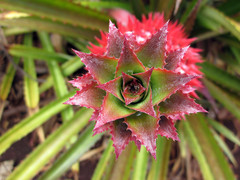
{"type": "Point", "coordinates": [139, 81]}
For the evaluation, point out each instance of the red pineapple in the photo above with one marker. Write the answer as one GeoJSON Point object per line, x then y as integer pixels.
{"type": "Point", "coordinates": [139, 81]}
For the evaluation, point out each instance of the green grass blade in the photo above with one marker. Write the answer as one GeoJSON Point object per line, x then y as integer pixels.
{"type": "Point", "coordinates": [219, 18]}
{"type": "Point", "coordinates": [188, 11]}
{"type": "Point", "coordinates": [28, 124]}
{"type": "Point", "coordinates": [8, 79]}
{"type": "Point", "coordinates": [230, 7]}
{"type": "Point", "coordinates": [138, 8]}
{"type": "Point", "coordinates": [225, 148]}
{"type": "Point", "coordinates": [215, 158]}
{"type": "Point", "coordinates": [59, 10]}
{"type": "Point", "coordinates": [6, 84]}
{"type": "Point", "coordinates": [224, 131]}
{"type": "Point", "coordinates": [196, 149]}
{"type": "Point", "coordinates": [37, 53]}
{"type": "Point", "coordinates": [236, 53]}
{"type": "Point", "coordinates": [31, 91]}
{"type": "Point", "coordinates": [223, 98]}
{"type": "Point", "coordinates": [226, 80]}
{"type": "Point", "coordinates": [163, 6]}
{"type": "Point", "coordinates": [102, 164]}
{"type": "Point", "coordinates": [124, 163]}
{"type": "Point", "coordinates": [48, 25]}
{"type": "Point", "coordinates": [108, 172]}
{"type": "Point", "coordinates": [83, 144]}
{"type": "Point", "coordinates": [51, 146]}
{"type": "Point", "coordinates": [159, 167]}
{"type": "Point", "coordinates": [56, 74]}
{"type": "Point", "coordinates": [79, 44]}
{"type": "Point", "coordinates": [11, 31]}
{"type": "Point", "coordinates": [105, 4]}
{"type": "Point", "coordinates": [68, 68]}
{"type": "Point", "coordinates": [140, 167]}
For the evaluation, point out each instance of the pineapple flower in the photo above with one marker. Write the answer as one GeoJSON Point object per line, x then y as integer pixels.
{"type": "Point", "coordinates": [139, 81]}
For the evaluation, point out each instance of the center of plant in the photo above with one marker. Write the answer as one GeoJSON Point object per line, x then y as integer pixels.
{"type": "Point", "coordinates": [133, 87]}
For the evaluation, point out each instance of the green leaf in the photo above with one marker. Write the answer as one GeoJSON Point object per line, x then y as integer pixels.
{"type": "Point", "coordinates": [230, 7]}
{"type": "Point", "coordinates": [224, 147]}
{"type": "Point", "coordinates": [10, 31]}
{"type": "Point", "coordinates": [159, 166]}
{"type": "Point", "coordinates": [188, 11]}
{"type": "Point", "coordinates": [219, 18]}
{"type": "Point", "coordinates": [226, 80]}
{"type": "Point", "coordinates": [102, 164]}
{"type": "Point", "coordinates": [58, 78]}
{"type": "Point", "coordinates": [68, 68]}
{"type": "Point", "coordinates": [108, 171]}
{"type": "Point", "coordinates": [223, 98]}
{"type": "Point", "coordinates": [140, 167]}
{"type": "Point", "coordinates": [51, 146]}
{"type": "Point", "coordinates": [8, 79]}
{"type": "Point", "coordinates": [224, 131]}
{"type": "Point", "coordinates": [105, 4]}
{"type": "Point", "coordinates": [124, 163]}
{"type": "Point", "coordinates": [214, 156]}
{"type": "Point", "coordinates": [83, 144]}
{"type": "Point", "coordinates": [28, 124]}
{"type": "Point", "coordinates": [40, 24]}
{"type": "Point", "coordinates": [59, 10]}
{"type": "Point", "coordinates": [138, 8]}
{"type": "Point", "coordinates": [143, 127]}
{"type": "Point", "coordinates": [37, 53]}
{"type": "Point", "coordinates": [164, 83]}
{"type": "Point", "coordinates": [190, 15]}
{"type": "Point", "coordinates": [193, 142]}
{"type": "Point", "coordinates": [6, 83]}
{"type": "Point", "coordinates": [165, 7]}
{"type": "Point", "coordinates": [31, 91]}
{"type": "Point", "coordinates": [236, 53]}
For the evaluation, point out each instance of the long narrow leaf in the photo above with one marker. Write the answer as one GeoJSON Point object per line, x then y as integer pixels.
{"type": "Point", "coordinates": [102, 164]}
{"type": "Point", "coordinates": [219, 18]}
{"type": "Point", "coordinates": [187, 12]}
{"type": "Point", "coordinates": [196, 149]}
{"type": "Point", "coordinates": [215, 158]}
{"type": "Point", "coordinates": [55, 71]}
{"type": "Point", "coordinates": [83, 144]}
{"type": "Point", "coordinates": [223, 98]}
{"type": "Point", "coordinates": [37, 53]}
{"type": "Point", "coordinates": [30, 123]}
{"type": "Point", "coordinates": [159, 167]}
{"type": "Point", "coordinates": [138, 8]}
{"type": "Point", "coordinates": [31, 91]}
{"type": "Point", "coordinates": [140, 167]}
{"type": "Point", "coordinates": [11, 31]}
{"type": "Point", "coordinates": [68, 68]}
{"type": "Point", "coordinates": [105, 4]}
{"type": "Point", "coordinates": [224, 131]}
{"type": "Point", "coordinates": [48, 25]}
{"type": "Point", "coordinates": [53, 144]}
{"type": "Point", "coordinates": [7, 79]}
{"type": "Point", "coordinates": [226, 80]}
{"type": "Point", "coordinates": [124, 163]}
{"type": "Point", "coordinates": [6, 84]}
{"type": "Point", "coordinates": [60, 10]}
{"type": "Point", "coordinates": [224, 147]}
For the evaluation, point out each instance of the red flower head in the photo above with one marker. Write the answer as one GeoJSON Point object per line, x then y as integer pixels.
{"type": "Point", "coordinates": [139, 81]}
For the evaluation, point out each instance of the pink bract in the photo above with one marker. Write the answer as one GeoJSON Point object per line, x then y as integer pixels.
{"type": "Point", "coordinates": [139, 81]}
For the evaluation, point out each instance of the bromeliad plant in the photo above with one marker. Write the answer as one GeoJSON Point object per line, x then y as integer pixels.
{"type": "Point", "coordinates": [139, 81]}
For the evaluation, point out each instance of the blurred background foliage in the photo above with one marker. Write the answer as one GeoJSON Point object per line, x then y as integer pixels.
{"type": "Point", "coordinates": [41, 138]}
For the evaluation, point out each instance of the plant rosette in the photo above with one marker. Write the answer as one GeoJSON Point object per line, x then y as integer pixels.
{"type": "Point", "coordinates": [139, 81]}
